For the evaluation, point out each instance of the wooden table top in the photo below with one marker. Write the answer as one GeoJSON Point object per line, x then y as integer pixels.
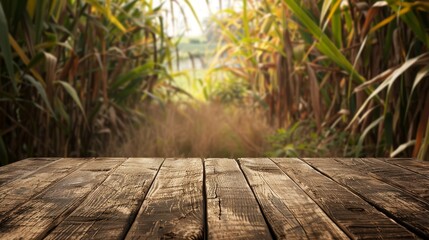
{"type": "Point", "coordinates": [259, 198]}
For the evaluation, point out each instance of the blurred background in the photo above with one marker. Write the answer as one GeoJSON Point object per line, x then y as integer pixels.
{"type": "Point", "coordinates": [231, 78]}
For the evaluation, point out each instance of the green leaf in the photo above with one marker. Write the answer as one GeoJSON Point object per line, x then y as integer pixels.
{"type": "Point", "coordinates": [60, 108]}
{"type": "Point", "coordinates": [337, 29]}
{"type": "Point", "coordinates": [135, 73]}
{"type": "Point", "coordinates": [417, 26]}
{"type": "Point", "coordinates": [107, 12]}
{"type": "Point", "coordinates": [325, 45]}
{"type": "Point", "coordinates": [41, 12]}
{"type": "Point", "coordinates": [388, 83]}
{"type": "Point", "coordinates": [40, 90]}
{"type": "Point", "coordinates": [368, 130]}
{"type": "Point", "coordinates": [5, 48]}
{"type": "Point", "coordinates": [73, 94]}
{"type": "Point", "coordinates": [245, 20]}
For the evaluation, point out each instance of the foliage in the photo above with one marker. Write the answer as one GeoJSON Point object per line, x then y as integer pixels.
{"type": "Point", "coordinates": [303, 139]}
{"type": "Point", "coordinates": [74, 72]}
{"type": "Point", "coordinates": [356, 66]}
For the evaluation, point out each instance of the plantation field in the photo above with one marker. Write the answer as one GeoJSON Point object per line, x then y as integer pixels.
{"type": "Point", "coordinates": [276, 77]}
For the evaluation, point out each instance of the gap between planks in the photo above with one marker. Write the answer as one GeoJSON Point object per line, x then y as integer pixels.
{"type": "Point", "coordinates": [256, 195]}
{"type": "Point", "coordinates": [108, 211]}
{"type": "Point", "coordinates": [355, 216]}
{"type": "Point", "coordinates": [232, 207]}
{"type": "Point", "coordinates": [394, 202]}
{"type": "Point", "coordinates": [289, 209]}
{"type": "Point", "coordinates": [38, 216]}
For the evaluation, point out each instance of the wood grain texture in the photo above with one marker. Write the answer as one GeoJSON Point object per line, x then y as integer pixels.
{"type": "Point", "coordinates": [290, 212]}
{"type": "Point", "coordinates": [35, 218]}
{"type": "Point", "coordinates": [396, 203]}
{"type": "Point", "coordinates": [22, 189]}
{"type": "Point", "coordinates": [407, 180]}
{"type": "Point", "coordinates": [417, 166]}
{"type": "Point", "coordinates": [356, 217]}
{"type": "Point", "coordinates": [232, 209]}
{"type": "Point", "coordinates": [173, 207]}
{"type": "Point", "coordinates": [107, 213]}
{"type": "Point", "coordinates": [117, 198]}
{"type": "Point", "coordinates": [22, 168]}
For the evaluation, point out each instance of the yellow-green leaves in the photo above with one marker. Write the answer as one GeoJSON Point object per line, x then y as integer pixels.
{"type": "Point", "coordinates": [336, 46]}
{"type": "Point", "coordinates": [73, 94]}
{"type": "Point", "coordinates": [390, 80]}
{"type": "Point", "coordinates": [107, 12]}
{"type": "Point", "coordinates": [324, 44]}
{"type": "Point", "coordinates": [62, 68]}
{"type": "Point", "coordinates": [245, 19]}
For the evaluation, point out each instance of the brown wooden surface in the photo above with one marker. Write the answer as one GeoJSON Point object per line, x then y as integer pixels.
{"type": "Point", "coordinates": [289, 211]}
{"type": "Point", "coordinates": [421, 167]}
{"type": "Point", "coordinates": [146, 198]}
{"type": "Point", "coordinates": [232, 209]}
{"type": "Point", "coordinates": [23, 189]}
{"type": "Point", "coordinates": [394, 202]}
{"type": "Point", "coordinates": [407, 180]}
{"type": "Point", "coordinates": [174, 206]}
{"type": "Point", "coordinates": [355, 216]}
{"type": "Point", "coordinates": [108, 211]}
{"type": "Point", "coordinates": [36, 217]}
{"type": "Point", "coordinates": [21, 168]}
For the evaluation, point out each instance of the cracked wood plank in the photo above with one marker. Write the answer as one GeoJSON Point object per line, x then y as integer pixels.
{"type": "Point", "coordinates": [232, 209]}
{"type": "Point", "coordinates": [355, 216]}
{"type": "Point", "coordinates": [396, 203]}
{"type": "Point", "coordinates": [288, 209]}
{"type": "Point", "coordinates": [409, 181]}
{"type": "Point", "coordinates": [420, 167]}
{"type": "Point", "coordinates": [22, 168]}
{"type": "Point", "coordinates": [173, 207]}
{"type": "Point", "coordinates": [23, 189]}
{"type": "Point", "coordinates": [107, 213]}
{"type": "Point", "coordinates": [35, 218]}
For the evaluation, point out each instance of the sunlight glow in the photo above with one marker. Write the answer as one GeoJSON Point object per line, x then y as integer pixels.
{"type": "Point", "coordinates": [204, 9]}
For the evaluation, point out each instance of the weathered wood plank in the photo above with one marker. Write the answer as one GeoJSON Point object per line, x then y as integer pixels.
{"type": "Point", "coordinates": [394, 202]}
{"type": "Point", "coordinates": [356, 217]}
{"type": "Point", "coordinates": [420, 167]}
{"type": "Point", "coordinates": [232, 209]}
{"type": "Point", "coordinates": [22, 189]}
{"type": "Point", "coordinates": [173, 207]}
{"type": "Point", "coordinates": [35, 218]}
{"type": "Point", "coordinates": [290, 212]}
{"type": "Point", "coordinates": [107, 213]}
{"type": "Point", "coordinates": [411, 182]}
{"type": "Point", "coordinates": [22, 168]}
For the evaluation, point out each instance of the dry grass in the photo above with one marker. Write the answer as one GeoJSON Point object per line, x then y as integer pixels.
{"type": "Point", "coordinates": [207, 130]}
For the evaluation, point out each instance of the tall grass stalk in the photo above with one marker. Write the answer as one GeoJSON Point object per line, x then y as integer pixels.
{"type": "Point", "coordinates": [73, 73]}
{"type": "Point", "coordinates": [350, 65]}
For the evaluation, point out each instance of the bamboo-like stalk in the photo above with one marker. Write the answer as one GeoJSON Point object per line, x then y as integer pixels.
{"type": "Point", "coordinates": [73, 73]}
{"type": "Point", "coordinates": [350, 63]}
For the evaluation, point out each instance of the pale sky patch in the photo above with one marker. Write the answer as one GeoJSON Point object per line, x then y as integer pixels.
{"type": "Point", "coordinates": [202, 9]}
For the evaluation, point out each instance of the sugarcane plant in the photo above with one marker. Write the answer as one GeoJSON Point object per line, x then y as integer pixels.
{"type": "Point", "coordinates": [351, 66]}
{"type": "Point", "coordinates": [74, 73]}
